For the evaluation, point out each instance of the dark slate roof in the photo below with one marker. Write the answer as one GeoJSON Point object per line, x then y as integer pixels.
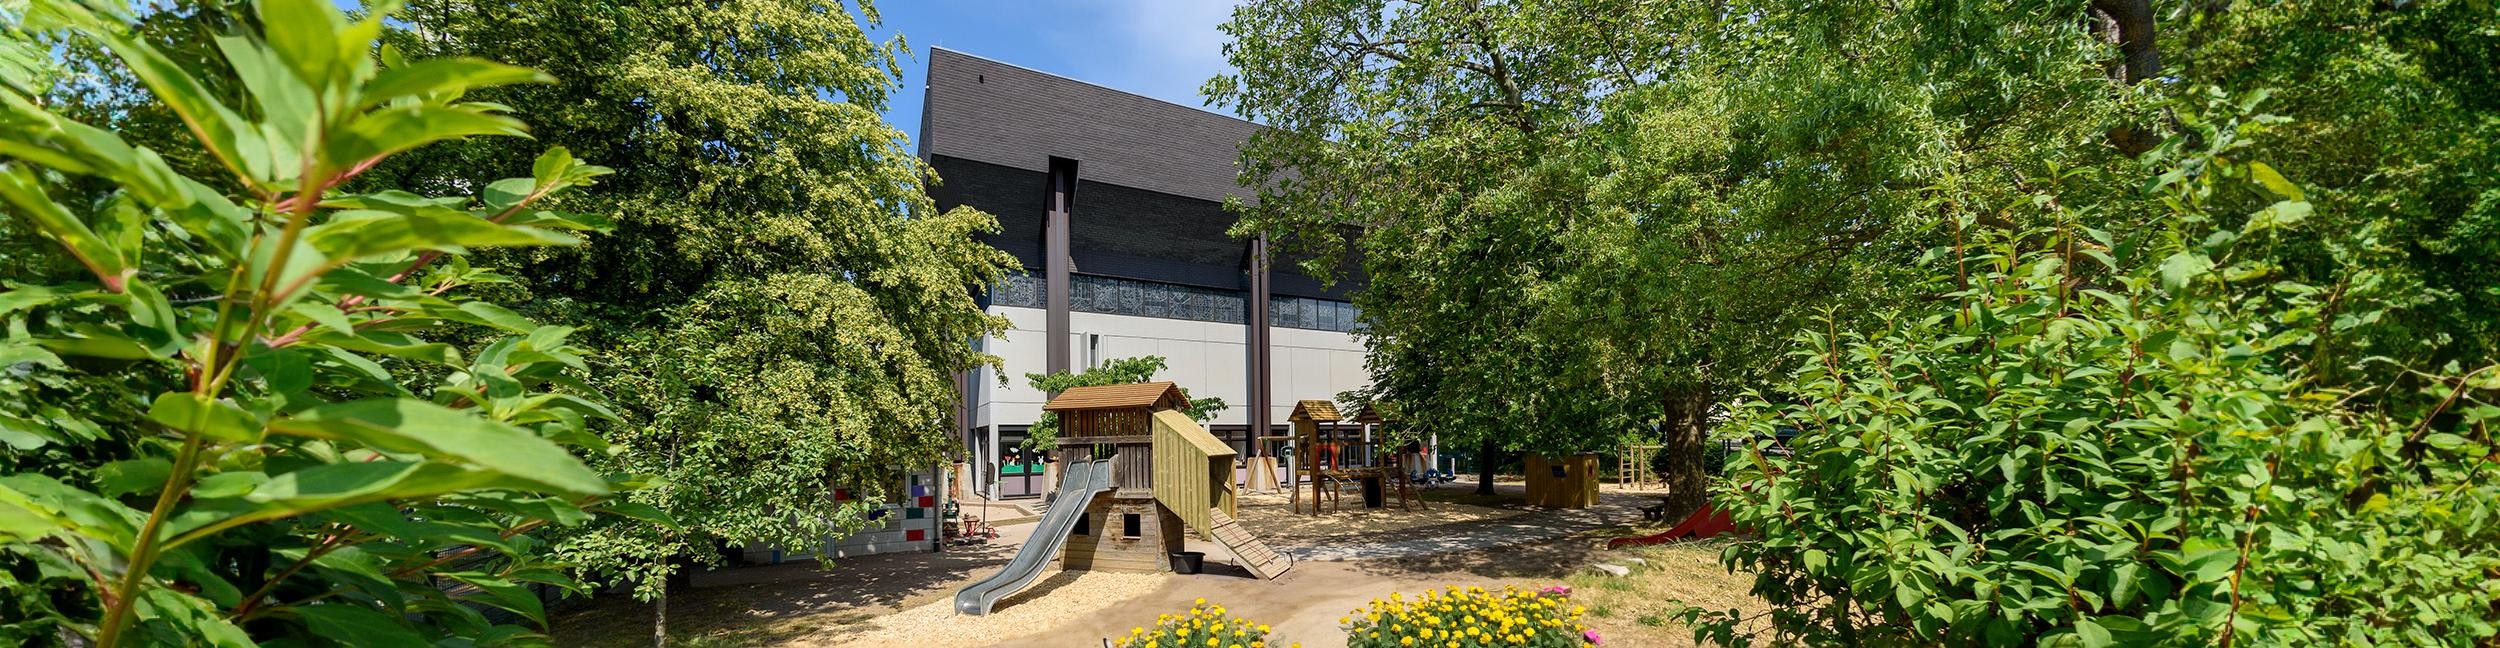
{"type": "Point", "coordinates": [988, 111]}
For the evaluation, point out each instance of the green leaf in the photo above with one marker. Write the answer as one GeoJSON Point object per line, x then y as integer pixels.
{"type": "Point", "coordinates": [357, 625]}
{"type": "Point", "coordinates": [410, 425]}
{"type": "Point", "coordinates": [2279, 215]}
{"type": "Point", "coordinates": [2123, 581]}
{"type": "Point", "coordinates": [2275, 182]}
{"type": "Point", "coordinates": [358, 234]}
{"type": "Point", "coordinates": [142, 476]}
{"type": "Point", "coordinates": [19, 188]}
{"type": "Point", "coordinates": [489, 314]}
{"type": "Point", "coordinates": [505, 594]}
{"type": "Point", "coordinates": [325, 315]}
{"type": "Point", "coordinates": [218, 419]}
{"type": "Point", "coordinates": [391, 130]}
{"type": "Point", "coordinates": [643, 512]}
{"type": "Point", "coordinates": [22, 519]}
{"type": "Point", "coordinates": [2092, 634]}
{"type": "Point", "coordinates": [2182, 268]}
{"type": "Point", "coordinates": [327, 486]}
{"type": "Point", "coordinates": [16, 352]}
{"type": "Point", "coordinates": [443, 79]}
{"type": "Point", "coordinates": [193, 621]}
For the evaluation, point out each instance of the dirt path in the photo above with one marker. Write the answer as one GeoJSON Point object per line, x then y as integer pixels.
{"type": "Point", "coordinates": [1346, 560]}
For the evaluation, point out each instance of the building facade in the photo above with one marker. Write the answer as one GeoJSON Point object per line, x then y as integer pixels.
{"type": "Point", "coordinates": [1113, 202]}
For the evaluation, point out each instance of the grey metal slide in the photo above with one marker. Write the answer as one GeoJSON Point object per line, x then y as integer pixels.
{"type": "Point", "coordinates": [1077, 485]}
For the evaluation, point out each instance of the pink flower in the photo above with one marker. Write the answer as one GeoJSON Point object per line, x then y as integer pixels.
{"type": "Point", "coordinates": [1557, 590]}
{"type": "Point", "coordinates": [1591, 635]}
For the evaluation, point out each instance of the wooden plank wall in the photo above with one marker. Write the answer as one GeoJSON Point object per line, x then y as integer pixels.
{"type": "Point", "coordinates": [1186, 480]}
{"type": "Point", "coordinates": [1133, 471]}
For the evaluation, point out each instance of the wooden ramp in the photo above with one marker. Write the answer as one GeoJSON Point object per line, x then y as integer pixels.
{"type": "Point", "coordinates": [1253, 554]}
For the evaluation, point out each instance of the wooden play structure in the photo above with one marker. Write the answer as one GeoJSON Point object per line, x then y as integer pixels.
{"type": "Point", "coordinates": [1333, 459]}
{"type": "Point", "coordinates": [1167, 473]}
{"type": "Point", "coordinates": [1137, 472]}
{"type": "Point", "coordinates": [1632, 470]}
{"type": "Point", "coordinates": [1567, 482]}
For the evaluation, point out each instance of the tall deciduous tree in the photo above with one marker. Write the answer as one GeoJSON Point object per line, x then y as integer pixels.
{"type": "Point", "coordinates": [1406, 120]}
{"type": "Point", "coordinates": [781, 307]}
{"type": "Point", "coordinates": [1586, 219]}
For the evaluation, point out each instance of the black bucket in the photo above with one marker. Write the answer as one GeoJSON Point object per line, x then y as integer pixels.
{"type": "Point", "coordinates": [1189, 562]}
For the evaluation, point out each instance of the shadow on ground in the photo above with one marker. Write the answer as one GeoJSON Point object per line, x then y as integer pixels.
{"type": "Point", "coordinates": [775, 603]}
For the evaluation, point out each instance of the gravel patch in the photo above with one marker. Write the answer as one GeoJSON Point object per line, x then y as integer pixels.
{"type": "Point", "coordinates": [1055, 601]}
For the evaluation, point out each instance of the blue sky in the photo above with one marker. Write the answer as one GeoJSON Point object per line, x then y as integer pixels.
{"type": "Point", "coordinates": [1159, 48]}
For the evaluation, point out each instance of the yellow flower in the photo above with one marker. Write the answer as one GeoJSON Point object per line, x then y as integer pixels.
{"type": "Point", "coordinates": [1407, 641]}
{"type": "Point", "coordinates": [1211, 642]}
{"type": "Point", "coordinates": [1200, 601]}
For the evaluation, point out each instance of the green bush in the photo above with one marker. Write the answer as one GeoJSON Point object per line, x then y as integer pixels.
{"type": "Point", "coordinates": [225, 421]}
{"type": "Point", "coordinates": [2090, 440]}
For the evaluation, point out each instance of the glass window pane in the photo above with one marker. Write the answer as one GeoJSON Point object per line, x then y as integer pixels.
{"type": "Point", "coordinates": [1158, 301]}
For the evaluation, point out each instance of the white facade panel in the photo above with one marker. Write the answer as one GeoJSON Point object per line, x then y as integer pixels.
{"type": "Point", "coordinates": [1207, 358]}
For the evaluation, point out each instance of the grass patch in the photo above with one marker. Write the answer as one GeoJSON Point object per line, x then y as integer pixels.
{"type": "Point", "coordinates": [1664, 580]}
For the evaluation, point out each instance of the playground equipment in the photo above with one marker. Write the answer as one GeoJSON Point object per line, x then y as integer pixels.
{"type": "Point", "coordinates": [1568, 482]}
{"type": "Point", "coordinates": [1632, 469]}
{"type": "Point", "coordinates": [1161, 472]}
{"type": "Point", "coordinates": [1077, 487]}
{"type": "Point", "coordinates": [1332, 459]}
{"type": "Point", "coordinates": [1705, 523]}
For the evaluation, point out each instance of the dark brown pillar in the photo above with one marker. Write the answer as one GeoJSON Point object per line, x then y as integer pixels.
{"type": "Point", "coordinates": [1256, 338]}
{"type": "Point", "coordinates": [1056, 263]}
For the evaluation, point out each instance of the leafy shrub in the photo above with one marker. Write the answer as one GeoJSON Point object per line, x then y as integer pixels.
{"type": "Point", "coordinates": [224, 422]}
{"type": "Point", "coordinates": [1470, 618]}
{"type": "Point", "coordinates": [2092, 441]}
{"type": "Point", "coordinates": [1203, 626]}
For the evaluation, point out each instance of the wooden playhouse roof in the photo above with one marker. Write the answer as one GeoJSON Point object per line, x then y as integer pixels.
{"type": "Point", "coordinates": [1189, 432]}
{"type": "Point", "coordinates": [1132, 395]}
{"type": "Point", "coordinates": [1315, 410]}
{"type": "Point", "coordinates": [1369, 415]}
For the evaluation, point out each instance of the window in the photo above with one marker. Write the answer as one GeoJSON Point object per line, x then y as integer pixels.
{"type": "Point", "coordinates": [1132, 525]}
{"type": "Point", "coordinates": [1093, 294]}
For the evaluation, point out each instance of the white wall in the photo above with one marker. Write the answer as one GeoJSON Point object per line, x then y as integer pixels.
{"type": "Point", "coordinates": [1207, 358]}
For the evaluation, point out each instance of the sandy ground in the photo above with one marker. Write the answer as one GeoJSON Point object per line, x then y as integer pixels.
{"type": "Point", "coordinates": [906, 599]}
{"type": "Point", "coordinates": [1272, 515]}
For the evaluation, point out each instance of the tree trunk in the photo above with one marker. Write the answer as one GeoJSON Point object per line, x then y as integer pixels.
{"type": "Point", "coordinates": [1685, 432]}
{"type": "Point", "coordinates": [659, 620]}
{"type": "Point", "coordinates": [1485, 455]}
{"type": "Point", "coordinates": [2128, 24]}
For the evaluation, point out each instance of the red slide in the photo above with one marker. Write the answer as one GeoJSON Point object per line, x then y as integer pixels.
{"type": "Point", "coordinates": [1704, 523]}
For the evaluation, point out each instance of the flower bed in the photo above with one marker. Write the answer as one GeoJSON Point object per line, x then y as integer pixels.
{"type": "Point", "coordinates": [1471, 618]}
{"type": "Point", "coordinates": [1203, 626]}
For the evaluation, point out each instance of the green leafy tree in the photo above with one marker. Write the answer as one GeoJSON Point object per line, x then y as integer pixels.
{"type": "Point", "coordinates": [1405, 122]}
{"type": "Point", "coordinates": [1045, 431]}
{"type": "Point", "coordinates": [2091, 441]}
{"type": "Point", "coordinates": [780, 310]}
{"type": "Point", "coordinates": [225, 421]}
{"type": "Point", "coordinates": [1586, 220]}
